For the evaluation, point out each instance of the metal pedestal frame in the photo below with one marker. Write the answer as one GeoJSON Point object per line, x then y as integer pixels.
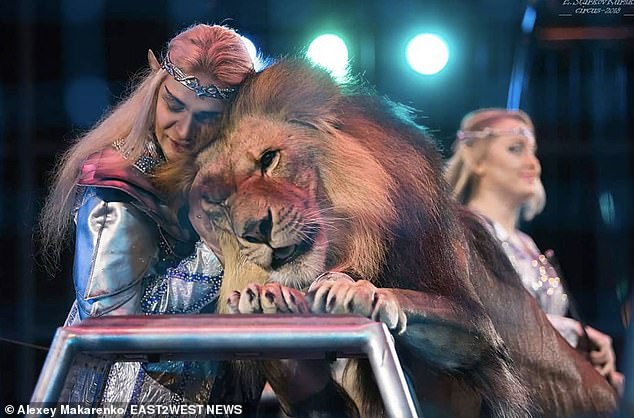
{"type": "Point", "coordinates": [223, 337]}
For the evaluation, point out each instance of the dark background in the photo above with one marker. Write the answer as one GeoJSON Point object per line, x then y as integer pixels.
{"type": "Point", "coordinates": [62, 63]}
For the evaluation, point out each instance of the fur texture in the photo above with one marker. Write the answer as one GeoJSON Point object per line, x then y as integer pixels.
{"type": "Point", "coordinates": [308, 176]}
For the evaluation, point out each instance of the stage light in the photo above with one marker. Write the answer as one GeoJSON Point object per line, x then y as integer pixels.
{"type": "Point", "coordinates": [258, 62]}
{"type": "Point", "coordinates": [331, 52]}
{"type": "Point", "coordinates": [250, 47]}
{"type": "Point", "coordinates": [427, 54]}
{"type": "Point", "coordinates": [528, 21]}
{"type": "Point", "coordinates": [607, 207]}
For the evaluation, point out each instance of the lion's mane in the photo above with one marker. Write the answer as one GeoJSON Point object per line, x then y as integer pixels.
{"type": "Point", "coordinates": [393, 220]}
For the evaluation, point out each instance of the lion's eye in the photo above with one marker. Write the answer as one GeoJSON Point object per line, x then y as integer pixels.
{"type": "Point", "coordinates": [269, 160]}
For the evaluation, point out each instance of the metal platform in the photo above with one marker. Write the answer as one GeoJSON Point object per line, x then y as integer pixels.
{"type": "Point", "coordinates": [228, 337]}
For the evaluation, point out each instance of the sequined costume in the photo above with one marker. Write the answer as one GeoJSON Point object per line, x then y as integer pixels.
{"type": "Point", "coordinates": [124, 232]}
{"type": "Point", "coordinates": [131, 259]}
{"type": "Point", "coordinates": [539, 277]}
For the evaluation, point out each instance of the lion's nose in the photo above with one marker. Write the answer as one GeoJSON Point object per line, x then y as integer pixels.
{"type": "Point", "coordinates": [258, 231]}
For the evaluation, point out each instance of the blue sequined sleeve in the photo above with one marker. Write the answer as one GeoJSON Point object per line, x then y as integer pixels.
{"type": "Point", "coordinates": [187, 288]}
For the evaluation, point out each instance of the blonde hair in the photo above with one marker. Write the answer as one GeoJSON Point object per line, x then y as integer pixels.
{"type": "Point", "coordinates": [469, 152]}
{"type": "Point", "coordinates": [211, 49]}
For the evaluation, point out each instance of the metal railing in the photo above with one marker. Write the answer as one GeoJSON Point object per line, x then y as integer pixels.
{"type": "Point", "coordinates": [228, 337]}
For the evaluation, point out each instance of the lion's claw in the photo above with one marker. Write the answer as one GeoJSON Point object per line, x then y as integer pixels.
{"type": "Point", "coordinates": [342, 295]}
{"type": "Point", "coordinates": [269, 298]}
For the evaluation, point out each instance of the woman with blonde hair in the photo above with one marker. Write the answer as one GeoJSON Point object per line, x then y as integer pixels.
{"type": "Point", "coordinates": [104, 182]}
{"type": "Point", "coordinates": [132, 255]}
{"type": "Point", "coordinates": [495, 172]}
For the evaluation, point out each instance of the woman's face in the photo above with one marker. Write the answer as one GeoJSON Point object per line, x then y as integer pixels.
{"type": "Point", "coordinates": [179, 113]}
{"type": "Point", "coordinates": [510, 166]}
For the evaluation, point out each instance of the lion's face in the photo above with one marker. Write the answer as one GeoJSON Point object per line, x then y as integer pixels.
{"type": "Point", "coordinates": [294, 182]}
{"type": "Point", "coordinates": [261, 184]}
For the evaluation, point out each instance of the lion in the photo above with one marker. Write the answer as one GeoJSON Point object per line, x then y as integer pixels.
{"type": "Point", "coordinates": [306, 176]}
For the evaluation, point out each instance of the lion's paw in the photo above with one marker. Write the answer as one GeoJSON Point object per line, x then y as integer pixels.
{"type": "Point", "coordinates": [338, 294]}
{"type": "Point", "coordinates": [268, 298]}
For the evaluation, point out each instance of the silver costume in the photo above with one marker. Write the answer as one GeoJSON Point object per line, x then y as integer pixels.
{"type": "Point", "coordinates": [123, 267]}
{"type": "Point", "coordinates": [539, 277]}
{"type": "Point", "coordinates": [125, 264]}
{"type": "Point", "coordinates": [116, 246]}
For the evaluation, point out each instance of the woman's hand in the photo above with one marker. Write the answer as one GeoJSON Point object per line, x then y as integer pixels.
{"type": "Point", "coordinates": [602, 355]}
{"type": "Point", "coordinates": [603, 359]}
{"type": "Point", "coordinates": [617, 380]}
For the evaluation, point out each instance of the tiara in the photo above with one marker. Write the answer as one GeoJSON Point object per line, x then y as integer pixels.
{"type": "Point", "coordinates": [193, 83]}
{"type": "Point", "coordinates": [492, 133]}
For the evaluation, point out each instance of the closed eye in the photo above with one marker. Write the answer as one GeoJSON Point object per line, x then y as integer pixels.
{"type": "Point", "coordinates": [174, 107]}
{"type": "Point", "coordinates": [173, 104]}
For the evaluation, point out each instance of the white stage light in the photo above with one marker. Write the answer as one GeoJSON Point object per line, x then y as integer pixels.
{"type": "Point", "coordinates": [427, 54]}
{"type": "Point", "coordinates": [331, 52]}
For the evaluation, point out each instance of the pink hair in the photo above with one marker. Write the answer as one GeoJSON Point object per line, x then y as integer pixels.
{"type": "Point", "coordinates": [215, 50]}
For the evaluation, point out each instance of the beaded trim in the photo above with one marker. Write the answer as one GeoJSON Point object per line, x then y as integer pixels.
{"type": "Point", "coordinates": [493, 133]}
{"type": "Point", "coordinates": [545, 283]}
{"type": "Point", "coordinates": [546, 278]}
{"type": "Point", "coordinates": [138, 384]}
{"type": "Point", "coordinates": [185, 377]}
{"type": "Point", "coordinates": [152, 295]}
{"type": "Point", "coordinates": [166, 250]}
{"type": "Point", "coordinates": [148, 161]}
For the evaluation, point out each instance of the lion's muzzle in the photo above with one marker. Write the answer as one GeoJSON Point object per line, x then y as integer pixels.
{"type": "Point", "coordinates": [274, 225]}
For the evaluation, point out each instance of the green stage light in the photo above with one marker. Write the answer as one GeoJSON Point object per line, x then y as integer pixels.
{"type": "Point", "coordinates": [331, 52]}
{"type": "Point", "coordinates": [427, 54]}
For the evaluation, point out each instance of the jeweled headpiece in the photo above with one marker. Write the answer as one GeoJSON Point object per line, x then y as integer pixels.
{"type": "Point", "coordinates": [194, 84]}
{"type": "Point", "coordinates": [492, 133]}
